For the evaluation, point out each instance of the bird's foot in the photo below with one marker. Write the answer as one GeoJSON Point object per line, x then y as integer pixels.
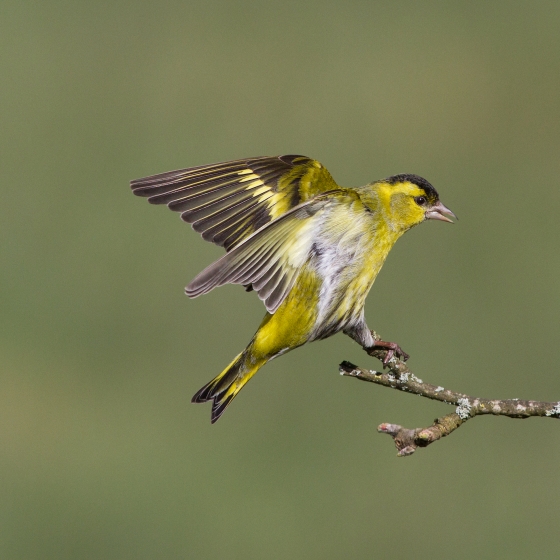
{"type": "Point", "coordinates": [393, 349]}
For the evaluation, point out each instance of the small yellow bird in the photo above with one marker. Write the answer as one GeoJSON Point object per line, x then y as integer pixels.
{"type": "Point", "coordinates": [309, 248]}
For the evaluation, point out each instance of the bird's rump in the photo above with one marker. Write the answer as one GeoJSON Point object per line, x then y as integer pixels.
{"type": "Point", "coordinates": [227, 202]}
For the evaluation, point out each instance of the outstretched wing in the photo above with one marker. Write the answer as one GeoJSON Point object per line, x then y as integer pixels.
{"type": "Point", "coordinates": [271, 258]}
{"type": "Point", "coordinates": [227, 202]}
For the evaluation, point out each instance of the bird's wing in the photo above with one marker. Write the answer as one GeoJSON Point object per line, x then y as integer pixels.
{"type": "Point", "coordinates": [227, 202]}
{"type": "Point", "coordinates": [271, 258]}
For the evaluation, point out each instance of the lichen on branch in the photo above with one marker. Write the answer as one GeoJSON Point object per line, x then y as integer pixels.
{"type": "Point", "coordinates": [399, 377]}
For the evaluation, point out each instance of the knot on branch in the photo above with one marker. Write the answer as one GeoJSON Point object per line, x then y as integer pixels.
{"type": "Point", "coordinates": [408, 440]}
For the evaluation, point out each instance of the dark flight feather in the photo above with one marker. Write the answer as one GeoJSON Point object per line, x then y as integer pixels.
{"type": "Point", "coordinates": [227, 202]}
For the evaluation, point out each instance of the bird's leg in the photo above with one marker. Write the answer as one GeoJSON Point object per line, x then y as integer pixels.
{"type": "Point", "coordinates": [370, 341]}
{"type": "Point", "coordinates": [393, 349]}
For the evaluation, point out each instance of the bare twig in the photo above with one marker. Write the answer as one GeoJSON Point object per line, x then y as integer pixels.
{"type": "Point", "coordinates": [401, 378]}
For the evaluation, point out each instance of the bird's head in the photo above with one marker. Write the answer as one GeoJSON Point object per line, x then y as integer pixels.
{"type": "Point", "coordinates": [405, 201]}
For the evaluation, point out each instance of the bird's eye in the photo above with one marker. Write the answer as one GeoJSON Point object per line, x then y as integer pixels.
{"type": "Point", "coordinates": [420, 200]}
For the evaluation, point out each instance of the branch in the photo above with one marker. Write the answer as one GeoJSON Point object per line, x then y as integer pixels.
{"type": "Point", "coordinates": [401, 378]}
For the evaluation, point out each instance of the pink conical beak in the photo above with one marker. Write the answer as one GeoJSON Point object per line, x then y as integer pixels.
{"type": "Point", "coordinates": [438, 211]}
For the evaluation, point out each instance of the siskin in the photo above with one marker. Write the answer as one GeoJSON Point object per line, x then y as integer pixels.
{"type": "Point", "coordinates": [309, 248]}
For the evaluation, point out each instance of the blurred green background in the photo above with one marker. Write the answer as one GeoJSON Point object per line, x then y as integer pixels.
{"type": "Point", "coordinates": [102, 455]}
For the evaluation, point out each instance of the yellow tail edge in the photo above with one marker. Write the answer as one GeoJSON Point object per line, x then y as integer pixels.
{"type": "Point", "coordinates": [225, 386]}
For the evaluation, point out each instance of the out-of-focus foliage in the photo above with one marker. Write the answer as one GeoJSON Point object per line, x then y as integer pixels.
{"type": "Point", "coordinates": [101, 453]}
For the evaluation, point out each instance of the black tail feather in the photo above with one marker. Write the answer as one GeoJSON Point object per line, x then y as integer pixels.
{"type": "Point", "coordinates": [223, 388]}
{"type": "Point", "coordinates": [219, 407]}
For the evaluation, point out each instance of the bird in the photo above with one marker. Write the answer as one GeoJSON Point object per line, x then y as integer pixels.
{"type": "Point", "coordinates": [308, 247]}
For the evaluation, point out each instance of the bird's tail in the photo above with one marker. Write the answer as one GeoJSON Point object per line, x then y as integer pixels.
{"type": "Point", "coordinates": [223, 388]}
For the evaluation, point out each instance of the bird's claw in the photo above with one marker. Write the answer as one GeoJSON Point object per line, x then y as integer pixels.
{"type": "Point", "coordinates": [393, 349]}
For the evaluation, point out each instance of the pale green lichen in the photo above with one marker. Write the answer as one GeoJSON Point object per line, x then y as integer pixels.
{"type": "Point", "coordinates": [555, 411]}
{"type": "Point", "coordinates": [464, 409]}
{"type": "Point", "coordinates": [408, 376]}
